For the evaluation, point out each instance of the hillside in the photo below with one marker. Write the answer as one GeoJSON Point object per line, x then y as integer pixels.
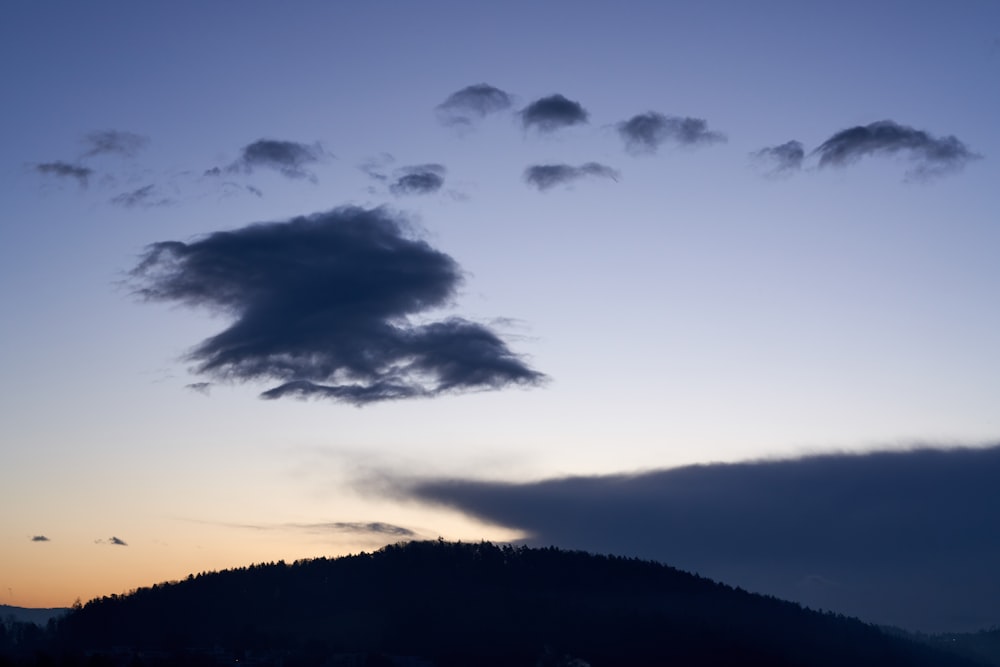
{"type": "Point", "coordinates": [470, 604]}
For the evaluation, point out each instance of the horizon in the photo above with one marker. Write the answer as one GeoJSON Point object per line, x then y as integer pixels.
{"type": "Point", "coordinates": [304, 282]}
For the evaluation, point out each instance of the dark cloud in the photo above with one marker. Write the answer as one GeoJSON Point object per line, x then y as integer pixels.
{"type": "Point", "coordinates": [113, 541]}
{"type": "Point", "coordinates": [322, 305]}
{"type": "Point", "coordinates": [114, 142]}
{"type": "Point", "coordinates": [289, 158]}
{"type": "Point", "coordinates": [65, 170]}
{"type": "Point", "coordinates": [545, 176]}
{"type": "Point", "coordinates": [905, 538]}
{"type": "Point", "coordinates": [552, 113]}
{"type": "Point", "coordinates": [39, 538]}
{"type": "Point", "coordinates": [419, 180]}
{"type": "Point", "coordinates": [930, 156]}
{"type": "Point", "coordinates": [644, 133]}
{"type": "Point", "coordinates": [782, 159]}
{"type": "Point", "coordinates": [472, 103]}
{"type": "Point", "coordinates": [146, 197]}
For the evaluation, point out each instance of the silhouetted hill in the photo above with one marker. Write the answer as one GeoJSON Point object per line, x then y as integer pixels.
{"type": "Point", "coordinates": [38, 616]}
{"type": "Point", "coordinates": [450, 604]}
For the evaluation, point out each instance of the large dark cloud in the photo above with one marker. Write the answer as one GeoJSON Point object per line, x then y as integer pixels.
{"type": "Point", "coordinates": [931, 156]}
{"type": "Point", "coordinates": [322, 305]}
{"type": "Point", "coordinates": [472, 103]}
{"type": "Point", "coordinates": [646, 132]}
{"type": "Point", "coordinates": [545, 176]}
{"type": "Point", "coordinates": [905, 538]}
{"type": "Point", "coordinates": [114, 142]}
{"type": "Point", "coordinates": [419, 180]}
{"type": "Point", "coordinates": [781, 159]}
{"type": "Point", "coordinates": [289, 158]}
{"type": "Point", "coordinates": [551, 113]}
{"type": "Point", "coordinates": [65, 170]}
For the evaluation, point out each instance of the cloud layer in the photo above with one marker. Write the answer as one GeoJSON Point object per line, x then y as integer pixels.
{"type": "Point", "coordinates": [931, 156]}
{"type": "Point", "coordinates": [551, 113]}
{"type": "Point", "coordinates": [646, 132]}
{"type": "Point", "coordinates": [546, 176]}
{"type": "Point", "coordinates": [905, 538]}
{"type": "Point", "coordinates": [322, 305]}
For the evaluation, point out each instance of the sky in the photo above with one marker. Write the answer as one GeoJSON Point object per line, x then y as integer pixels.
{"type": "Point", "coordinates": [299, 280]}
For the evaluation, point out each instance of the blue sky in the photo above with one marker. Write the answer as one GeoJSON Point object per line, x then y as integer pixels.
{"type": "Point", "coordinates": [698, 306]}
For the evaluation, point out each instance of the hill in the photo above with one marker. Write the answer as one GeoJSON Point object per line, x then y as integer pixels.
{"type": "Point", "coordinates": [448, 604]}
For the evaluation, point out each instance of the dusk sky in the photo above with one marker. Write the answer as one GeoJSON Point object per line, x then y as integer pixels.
{"type": "Point", "coordinates": [292, 280]}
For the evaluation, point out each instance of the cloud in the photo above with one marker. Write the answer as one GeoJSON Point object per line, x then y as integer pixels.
{"type": "Point", "coordinates": [419, 180]}
{"type": "Point", "coordinates": [472, 103]}
{"type": "Point", "coordinates": [551, 113]}
{"type": "Point", "coordinates": [930, 156]}
{"type": "Point", "coordinates": [323, 305]}
{"type": "Point", "coordinates": [200, 387]}
{"type": "Point", "coordinates": [289, 158]}
{"type": "Point", "coordinates": [65, 170]}
{"type": "Point", "coordinates": [146, 197]}
{"type": "Point", "coordinates": [39, 538]}
{"type": "Point", "coordinates": [645, 133]}
{"type": "Point", "coordinates": [113, 541]}
{"type": "Point", "coordinates": [545, 176]}
{"type": "Point", "coordinates": [114, 142]}
{"type": "Point", "coordinates": [374, 527]}
{"type": "Point", "coordinates": [784, 158]}
{"type": "Point", "coordinates": [904, 538]}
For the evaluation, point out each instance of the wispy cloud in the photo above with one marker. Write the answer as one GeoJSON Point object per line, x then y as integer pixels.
{"type": "Point", "coordinates": [147, 196]}
{"type": "Point", "coordinates": [931, 156]}
{"type": "Point", "coordinates": [545, 176]}
{"type": "Point", "coordinates": [905, 537]}
{"type": "Point", "coordinates": [114, 142]}
{"type": "Point", "coordinates": [551, 113]}
{"type": "Point", "coordinates": [65, 170]}
{"type": "Point", "coordinates": [781, 159]}
{"type": "Point", "coordinates": [472, 103]}
{"type": "Point", "coordinates": [646, 132]}
{"type": "Point", "coordinates": [322, 305]}
{"type": "Point", "coordinates": [113, 541]}
{"type": "Point", "coordinates": [419, 180]}
{"type": "Point", "coordinates": [39, 538]}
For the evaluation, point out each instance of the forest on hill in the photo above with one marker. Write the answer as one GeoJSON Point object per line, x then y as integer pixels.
{"type": "Point", "coordinates": [449, 604]}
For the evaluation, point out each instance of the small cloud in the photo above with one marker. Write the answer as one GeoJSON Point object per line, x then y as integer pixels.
{"type": "Point", "coordinates": [376, 527]}
{"type": "Point", "coordinates": [200, 387]}
{"type": "Point", "coordinates": [545, 176]}
{"type": "Point", "coordinates": [930, 155]}
{"type": "Point", "coordinates": [39, 538]}
{"type": "Point", "coordinates": [65, 170]}
{"type": "Point", "coordinates": [114, 142]}
{"type": "Point", "coordinates": [419, 180]}
{"type": "Point", "coordinates": [145, 197]}
{"type": "Point", "coordinates": [289, 158]}
{"type": "Point", "coordinates": [645, 133]}
{"type": "Point", "coordinates": [783, 159]}
{"type": "Point", "coordinates": [552, 113]}
{"type": "Point", "coordinates": [322, 306]}
{"type": "Point", "coordinates": [472, 103]}
{"type": "Point", "coordinates": [112, 541]}
{"type": "Point", "coordinates": [375, 167]}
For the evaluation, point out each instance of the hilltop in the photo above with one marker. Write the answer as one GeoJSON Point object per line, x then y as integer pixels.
{"type": "Point", "coordinates": [450, 604]}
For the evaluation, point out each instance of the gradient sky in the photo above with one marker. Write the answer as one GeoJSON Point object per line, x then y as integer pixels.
{"type": "Point", "coordinates": [694, 287]}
